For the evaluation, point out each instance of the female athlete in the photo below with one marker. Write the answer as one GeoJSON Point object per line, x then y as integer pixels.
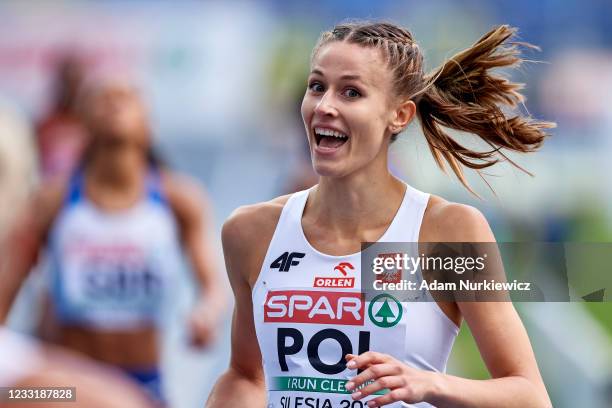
{"type": "Point", "coordinates": [301, 341]}
{"type": "Point", "coordinates": [113, 234]}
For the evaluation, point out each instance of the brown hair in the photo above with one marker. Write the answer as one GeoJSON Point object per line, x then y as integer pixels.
{"type": "Point", "coordinates": [461, 94]}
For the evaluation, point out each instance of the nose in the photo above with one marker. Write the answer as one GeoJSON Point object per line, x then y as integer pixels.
{"type": "Point", "coordinates": [326, 105]}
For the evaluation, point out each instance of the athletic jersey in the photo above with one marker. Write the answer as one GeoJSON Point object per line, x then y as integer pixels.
{"type": "Point", "coordinates": [20, 357]}
{"type": "Point", "coordinates": [112, 269]}
{"type": "Point", "coordinates": [309, 313]}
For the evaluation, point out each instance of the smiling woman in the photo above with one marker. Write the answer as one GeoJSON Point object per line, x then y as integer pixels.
{"type": "Point", "coordinates": [346, 78]}
{"type": "Point", "coordinates": [365, 86]}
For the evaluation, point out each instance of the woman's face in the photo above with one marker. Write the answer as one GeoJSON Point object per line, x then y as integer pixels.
{"type": "Point", "coordinates": [115, 113]}
{"type": "Point", "coordinates": [347, 108]}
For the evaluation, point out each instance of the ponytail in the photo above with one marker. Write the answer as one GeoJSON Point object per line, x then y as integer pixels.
{"type": "Point", "coordinates": [464, 95]}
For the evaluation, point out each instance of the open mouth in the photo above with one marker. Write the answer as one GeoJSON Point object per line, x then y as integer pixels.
{"type": "Point", "coordinates": [328, 138]}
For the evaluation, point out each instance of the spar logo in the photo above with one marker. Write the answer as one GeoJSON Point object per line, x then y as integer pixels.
{"type": "Point", "coordinates": [343, 281]}
{"type": "Point", "coordinates": [315, 307]}
{"type": "Point", "coordinates": [385, 310]}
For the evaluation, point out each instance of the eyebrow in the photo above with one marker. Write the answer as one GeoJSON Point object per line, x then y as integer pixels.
{"type": "Point", "coordinates": [343, 77]}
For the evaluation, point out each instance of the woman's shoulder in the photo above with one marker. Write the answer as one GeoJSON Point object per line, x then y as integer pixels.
{"type": "Point", "coordinates": [185, 195]}
{"type": "Point", "coordinates": [43, 206]}
{"type": "Point", "coordinates": [52, 190]}
{"type": "Point", "coordinates": [246, 235]}
{"type": "Point", "coordinates": [179, 186]}
{"type": "Point", "coordinates": [253, 222]}
{"type": "Point", "coordinates": [447, 221]}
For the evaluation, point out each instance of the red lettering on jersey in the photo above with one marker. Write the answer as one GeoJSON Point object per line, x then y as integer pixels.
{"type": "Point", "coordinates": [303, 306]}
{"type": "Point", "coordinates": [322, 282]}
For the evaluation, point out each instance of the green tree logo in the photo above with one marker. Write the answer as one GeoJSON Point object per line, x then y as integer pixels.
{"type": "Point", "coordinates": [385, 317]}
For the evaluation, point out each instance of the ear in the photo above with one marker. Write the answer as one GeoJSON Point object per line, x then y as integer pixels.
{"type": "Point", "coordinates": [402, 116]}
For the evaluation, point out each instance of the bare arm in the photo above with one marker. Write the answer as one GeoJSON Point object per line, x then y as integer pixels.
{"type": "Point", "coordinates": [193, 214]}
{"type": "Point", "coordinates": [499, 334]}
{"type": "Point", "coordinates": [20, 247]}
{"type": "Point", "coordinates": [242, 384]}
{"type": "Point", "coordinates": [505, 348]}
{"type": "Point", "coordinates": [246, 236]}
{"type": "Point", "coordinates": [497, 328]}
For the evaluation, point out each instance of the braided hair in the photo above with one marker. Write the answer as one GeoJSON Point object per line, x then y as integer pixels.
{"type": "Point", "coordinates": [462, 94]}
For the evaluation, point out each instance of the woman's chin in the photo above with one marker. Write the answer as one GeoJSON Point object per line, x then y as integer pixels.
{"type": "Point", "coordinates": [328, 170]}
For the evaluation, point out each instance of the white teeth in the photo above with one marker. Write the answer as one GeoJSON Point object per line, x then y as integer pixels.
{"type": "Point", "coordinates": [329, 132]}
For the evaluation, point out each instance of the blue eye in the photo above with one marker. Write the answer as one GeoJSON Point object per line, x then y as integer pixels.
{"type": "Point", "coordinates": [316, 87]}
{"type": "Point", "coordinates": [351, 93]}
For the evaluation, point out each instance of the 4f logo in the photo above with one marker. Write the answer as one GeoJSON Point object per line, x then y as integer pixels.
{"type": "Point", "coordinates": [286, 261]}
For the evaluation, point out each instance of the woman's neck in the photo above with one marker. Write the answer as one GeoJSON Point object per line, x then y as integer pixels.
{"type": "Point", "coordinates": [117, 168]}
{"type": "Point", "coordinates": [356, 203]}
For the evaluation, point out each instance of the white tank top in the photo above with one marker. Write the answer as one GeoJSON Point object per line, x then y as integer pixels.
{"type": "Point", "coordinates": [308, 312]}
{"type": "Point", "coordinates": [113, 270]}
{"type": "Point", "coordinates": [20, 357]}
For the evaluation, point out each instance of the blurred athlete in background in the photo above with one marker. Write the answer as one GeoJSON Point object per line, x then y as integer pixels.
{"type": "Point", "coordinates": [112, 234]}
{"type": "Point", "coordinates": [298, 344]}
{"type": "Point", "coordinates": [17, 165]}
{"type": "Point", "coordinates": [25, 362]}
{"type": "Point", "coordinates": [61, 134]}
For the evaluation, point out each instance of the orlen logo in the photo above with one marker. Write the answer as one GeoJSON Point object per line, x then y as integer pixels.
{"type": "Point", "coordinates": [303, 306]}
{"type": "Point", "coordinates": [341, 267]}
{"type": "Point", "coordinates": [336, 282]}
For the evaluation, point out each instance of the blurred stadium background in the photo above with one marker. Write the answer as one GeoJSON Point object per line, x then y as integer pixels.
{"type": "Point", "coordinates": [224, 79]}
